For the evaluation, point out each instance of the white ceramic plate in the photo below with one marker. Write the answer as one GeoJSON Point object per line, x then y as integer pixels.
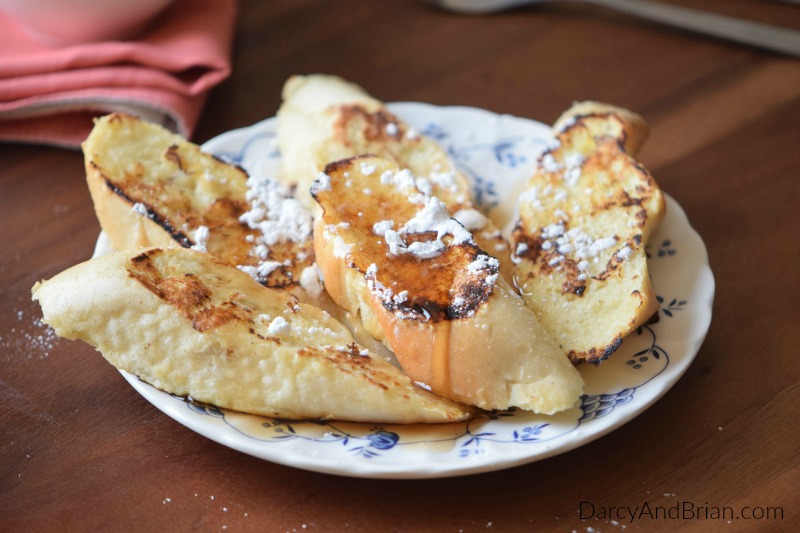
{"type": "Point", "coordinates": [498, 153]}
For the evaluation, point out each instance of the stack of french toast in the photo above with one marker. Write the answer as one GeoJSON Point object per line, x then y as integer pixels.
{"type": "Point", "coordinates": [363, 282]}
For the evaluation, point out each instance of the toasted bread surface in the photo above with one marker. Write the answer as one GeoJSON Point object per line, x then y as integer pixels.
{"type": "Point", "coordinates": [190, 324]}
{"type": "Point", "coordinates": [419, 281]}
{"type": "Point", "coordinates": [151, 187]}
{"type": "Point", "coordinates": [324, 119]}
{"type": "Point", "coordinates": [608, 120]}
{"type": "Point", "coordinates": [579, 244]}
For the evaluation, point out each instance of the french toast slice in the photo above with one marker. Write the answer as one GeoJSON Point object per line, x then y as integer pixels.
{"type": "Point", "coordinates": [392, 254]}
{"type": "Point", "coordinates": [324, 119]}
{"type": "Point", "coordinates": [193, 325]}
{"type": "Point", "coordinates": [584, 220]}
{"type": "Point", "coordinates": [151, 187]}
{"type": "Point", "coordinates": [607, 120]}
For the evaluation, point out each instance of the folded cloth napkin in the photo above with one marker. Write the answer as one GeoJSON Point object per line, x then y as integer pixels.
{"type": "Point", "coordinates": [49, 94]}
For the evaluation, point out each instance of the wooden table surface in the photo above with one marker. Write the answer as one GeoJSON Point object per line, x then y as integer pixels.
{"type": "Point", "coordinates": [80, 450]}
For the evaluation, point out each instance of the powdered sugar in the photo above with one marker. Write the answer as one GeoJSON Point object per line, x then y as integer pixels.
{"type": "Point", "coordinates": [275, 213]}
{"type": "Point", "coordinates": [484, 265]}
{"type": "Point", "coordinates": [200, 239]}
{"type": "Point", "coordinates": [579, 245]}
{"type": "Point", "coordinates": [471, 219]}
{"type": "Point", "coordinates": [140, 209]}
{"type": "Point", "coordinates": [400, 298]}
{"type": "Point", "coordinates": [341, 248]}
{"type": "Point", "coordinates": [405, 182]}
{"type": "Point", "coordinates": [367, 168]}
{"type": "Point", "coordinates": [380, 228]}
{"type": "Point", "coordinates": [597, 246]}
{"type": "Point", "coordinates": [432, 218]}
{"type": "Point", "coordinates": [573, 167]}
{"type": "Point", "coordinates": [553, 230]}
{"type": "Point", "coordinates": [444, 180]}
{"type": "Point", "coordinates": [262, 270]}
{"type": "Point", "coordinates": [277, 217]}
{"type": "Point", "coordinates": [26, 341]}
{"type": "Point", "coordinates": [570, 170]}
{"type": "Point", "coordinates": [483, 262]}
{"type": "Point", "coordinates": [311, 281]}
{"type": "Point", "coordinates": [402, 179]}
{"type": "Point", "coordinates": [278, 326]}
{"type": "Point", "coordinates": [376, 287]}
{"type": "Point", "coordinates": [531, 196]}
{"type": "Point", "coordinates": [624, 253]}
{"type": "Point", "coordinates": [322, 183]}
{"type": "Point", "coordinates": [549, 163]}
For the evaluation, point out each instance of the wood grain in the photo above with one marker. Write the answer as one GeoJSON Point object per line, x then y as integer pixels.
{"type": "Point", "coordinates": [81, 451]}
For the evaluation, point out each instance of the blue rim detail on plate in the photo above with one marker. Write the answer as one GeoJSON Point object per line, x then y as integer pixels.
{"type": "Point", "coordinates": [497, 152]}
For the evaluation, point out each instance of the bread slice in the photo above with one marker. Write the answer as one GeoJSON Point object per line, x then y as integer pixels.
{"type": "Point", "coordinates": [151, 187]}
{"type": "Point", "coordinates": [585, 218]}
{"type": "Point", "coordinates": [324, 119]}
{"type": "Point", "coordinates": [607, 120]}
{"type": "Point", "coordinates": [192, 325]}
{"type": "Point", "coordinates": [392, 253]}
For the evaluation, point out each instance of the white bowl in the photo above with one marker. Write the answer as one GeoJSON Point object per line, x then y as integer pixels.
{"type": "Point", "coordinates": [61, 22]}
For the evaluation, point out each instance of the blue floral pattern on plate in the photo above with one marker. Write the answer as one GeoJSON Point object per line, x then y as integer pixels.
{"type": "Point", "coordinates": [497, 153]}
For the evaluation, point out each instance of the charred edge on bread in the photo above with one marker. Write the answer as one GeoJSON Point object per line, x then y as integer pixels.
{"type": "Point", "coordinates": [354, 350]}
{"type": "Point", "coordinates": [461, 301]}
{"type": "Point", "coordinates": [282, 281]}
{"type": "Point", "coordinates": [629, 200]}
{"type": "Point", "coordinates": [614, 262]}
{"type": "Point", "coordinates": [573, 284]}
{"type": "Point", "coordinates": [334, 166]}
{"type": "Point", "coordinates": [533, 253]}
{"type": "Point", "coordinates": [533, 243]}
{"type": "Point", "coordinates": [214, 316]}
{"type": "Point", "coordinates": [474, 292]}
{"type": "Point", "coordinates": [280, 278]}
{"type": "Point", "coordinates": [620, 139]}
{"type": "Point", "coordinates": [231, 163]}
{"type": "Point", "coordinates": [171, 154]}
{"type": "Point", "coordinates": [187, 293]}
{"type": "Point", "coordinates": [144, 265]}
{"type": "Point", "coordinates": [595, 356]}
{"type": "Point", "coordinates": [177, 236]}
{"type": "Point", "coordinates": [641, 217]}
{"type": "Point", "coordinates": [374, 127]}
{"type": "Point", "coordinates": [276, 340]}
{"type": "Point", "coordinates": [292, 303]}
{"type": "Point", "coordinates": [646, 173]}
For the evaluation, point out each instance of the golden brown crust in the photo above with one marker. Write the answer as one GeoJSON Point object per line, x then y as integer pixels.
{"type": "Point", "coordinates": [355, 121]}
{"type": "Point", "coordinates": [325, 119]}
{"type": "Point", "coordinates": [153, 188]}
{"type": "Point", "coordinates": [585, 218]}
{"type": "Point", "coordinates": [627, 127]}
{"type": "Point", "coordinates": [451, 320]}
{"type": "Point", "coordinates": [192, 325]}
{"type": "Point", "coordinates": [439, 290]}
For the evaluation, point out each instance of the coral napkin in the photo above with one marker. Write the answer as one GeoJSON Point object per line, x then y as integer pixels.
{"type": "Point", "coordinates": [49, 94]}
